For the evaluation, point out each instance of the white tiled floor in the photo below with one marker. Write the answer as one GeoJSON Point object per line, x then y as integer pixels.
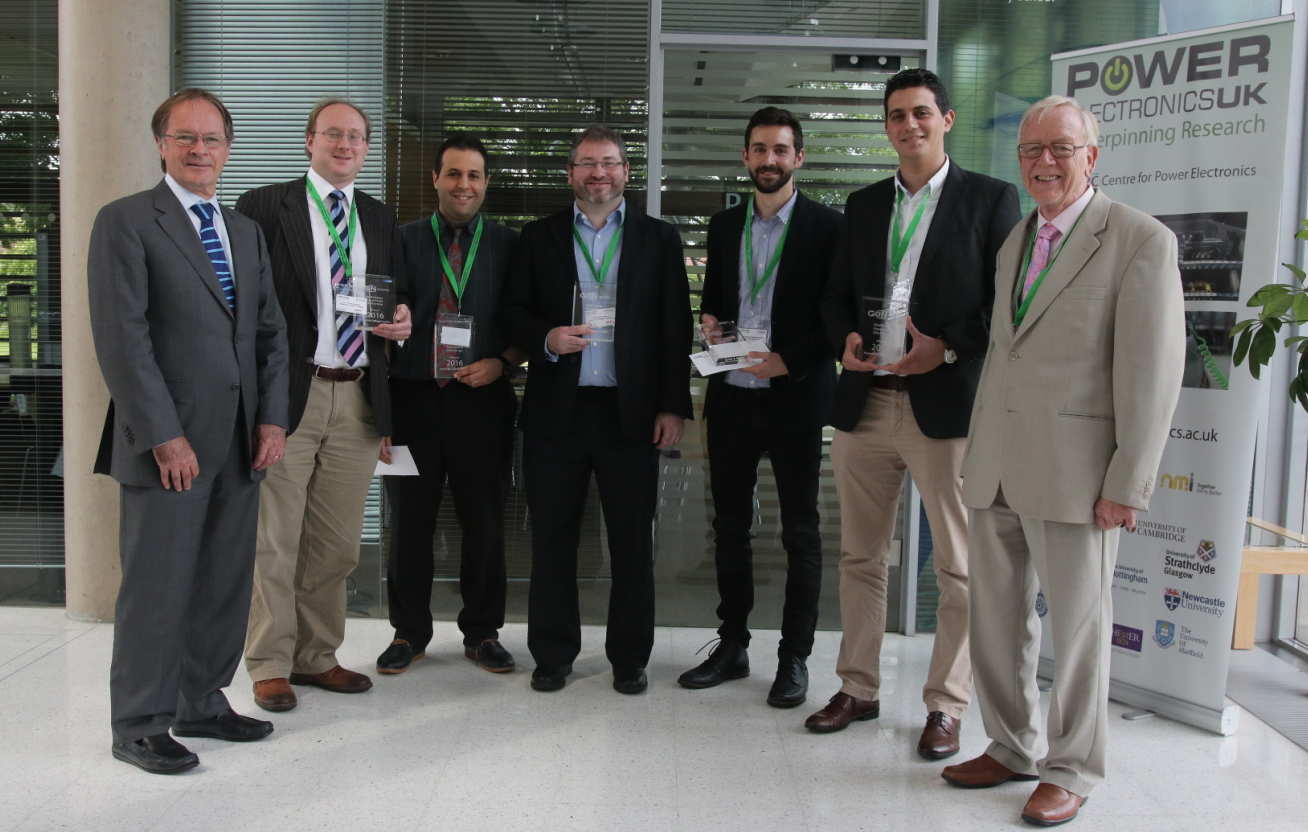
{"type": "Point", "coordinates": [449, 747]}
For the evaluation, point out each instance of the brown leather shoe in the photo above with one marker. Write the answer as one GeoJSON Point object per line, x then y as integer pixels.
{"type": "Point", "coordinates": [939, 737]}
{"type": "Point", "coordinates": [1050, 805]}
{"type": "Point", "coordinates": [840, 711]}
{"type": "Point", "coordinates": [336, 680]}
{"type": "Point", "coordinates": [274, 694]}
{"type": "Point", "coordinates": [982, 773]}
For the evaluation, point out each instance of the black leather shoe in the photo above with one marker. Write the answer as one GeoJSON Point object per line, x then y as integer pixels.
{"type": "Point", "coordinates": [229, 726]}
{"type": "Point", "coordinates": [397, 658]}
{"type": "Point", "coordinates": [790, 688]}
{"type": "Point", "coordinates": [157, 754]}
{"type": "Point", "coordinates": [729, 660]}
{"type": "Point", "coordinates": [490, 655]}
{"type": "Point", "coordinates": [630, 681]}
{"type": "Point", "coordinates": [546, 679]}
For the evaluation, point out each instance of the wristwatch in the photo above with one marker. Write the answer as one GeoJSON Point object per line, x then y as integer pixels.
{"type": "Point", "coordinates": [951, 357]}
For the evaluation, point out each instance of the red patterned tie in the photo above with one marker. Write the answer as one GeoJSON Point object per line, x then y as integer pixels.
{"type": "Point", "coordinates": [448, 303]}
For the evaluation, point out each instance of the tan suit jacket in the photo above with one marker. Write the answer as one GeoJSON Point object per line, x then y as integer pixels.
{"type": "Point", "coordinates": [1076, 403]}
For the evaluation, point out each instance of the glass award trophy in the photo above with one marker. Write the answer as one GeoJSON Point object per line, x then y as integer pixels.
{"type": "Point", "coordinates": [596, 306]}
{"type": "Point", "coordinates": [352, 298]}
{"type": "Point", "coordinates": [452, 344]}
{"type": "Point", "coordinates": [379, 291]}
{"type": "Point", "coordinates": [729, 345]}
{"type": "Point", "coordinates": [883, 327]}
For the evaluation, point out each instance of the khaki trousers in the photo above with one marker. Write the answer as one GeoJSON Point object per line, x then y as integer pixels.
{"type": "Point", "coordinates": [1072, 563]}
{"type": "Point", "coordinates": [869, 464]}
{"type": "Point", "coordinates": [310, 515]}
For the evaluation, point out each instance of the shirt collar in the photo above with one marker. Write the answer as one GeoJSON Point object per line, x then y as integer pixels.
{"type": "Point", "coordinates": [448, 228]}
{"type": "Point", "coordinates": [1064, 221]}
{"type": "Point", "coordinates": [323, 187]}
{"type": "Point", "coordinates": [783, 213]}
{"type": "Point", "coordinates": [935, 183]}
{"type": "Point", "coordinates": [616, 218]}
{"type": "Point", "coordinates": [189, 198]}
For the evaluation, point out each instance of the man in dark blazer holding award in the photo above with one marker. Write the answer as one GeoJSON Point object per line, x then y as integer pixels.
{"type": "Point", "coordinates": [918, 257]}
{"type": "Point", "coordinates": [598, 298]}
{"type": "Point", "coordinates": [768, 263]}
{"type": "Point", "coordinates": [189, 337]}
{"type": "Point", "coordinates": [323, 234]}
{"type": "Point", "coordinates": [454, 410]}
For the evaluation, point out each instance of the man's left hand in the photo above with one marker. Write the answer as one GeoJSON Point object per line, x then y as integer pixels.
{"type": "Point", "coordinates": [401, 329]}
{"type": "Point", "coordinates": [1111, 515]}
{"type": "Point", "coordinates": [667, 429]}
{"type": "Point", "coordinates": [269, 446]}
{"type": "Point", "coordinates": [927, 354]}
{"type": "Point", "coordinates": [771, 367]}
{"type": "Point", "coordinates": [480, 373]}
{"type": "Point", "coordinates": [384, 454]}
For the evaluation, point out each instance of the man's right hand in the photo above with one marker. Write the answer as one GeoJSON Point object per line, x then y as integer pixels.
{"type": "Point", "coordinates": [563, 340]}
{"type": "Point", "coordinates": [177, 464]}
{"type": "Point", "coordinates": [709, 328]}
{"type": "Point", "coordinates": [852, 359]}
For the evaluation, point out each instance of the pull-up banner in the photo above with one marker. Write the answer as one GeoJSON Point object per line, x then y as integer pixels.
{"type": "Point", "coordinates": [1193, 132]}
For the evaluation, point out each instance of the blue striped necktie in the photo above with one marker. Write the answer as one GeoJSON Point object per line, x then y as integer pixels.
{"type": "Point", "coordinates": [213, 246]}
{"type": "Point", "coordinates": [349, 337]}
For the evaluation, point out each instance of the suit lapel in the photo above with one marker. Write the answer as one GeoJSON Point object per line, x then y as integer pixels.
{"type": "Point", "coordinates": [180, 229]}
{"type": "Point", "coordinates": [940, 231]}
{"type": "Point", "coordinates": [875, 236]}
{"type": "Point", "coordinates": [633, 255]}
{"type": "Point", "coordinates": [243, 252]}
{"type": "Point", "coordinates": [298, 233]}
{"type": "Point", "coordinates": [1072, 257]}
{"type": "Point", "coordinates": [731, 263]}
{"type": "Point", "coordinates": [1008, 261]}
{"type": "Point", "coordinates": [567, 253]}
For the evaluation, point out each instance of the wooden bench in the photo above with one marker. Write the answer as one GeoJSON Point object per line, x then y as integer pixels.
{"type": "Point", "coordinates": [1264, 560]}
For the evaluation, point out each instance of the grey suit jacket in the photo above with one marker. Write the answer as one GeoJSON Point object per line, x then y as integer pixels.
{"type": "Point", "coordinates": [1076, 403]}
{"type": "Point", "coordinates": [176, 359]}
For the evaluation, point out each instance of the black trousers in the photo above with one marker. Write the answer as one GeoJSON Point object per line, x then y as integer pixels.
{"type": "Point", "coordinates": [464, 434]}
{"type": "Point", "coordinates": [558, 471]}
{"type": "Point", "coordinates": [182, 610]}
{"type": "Point", "coordinates": [739, 433]}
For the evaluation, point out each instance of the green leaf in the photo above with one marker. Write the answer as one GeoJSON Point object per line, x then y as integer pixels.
{"type": "Point", "coordinates": [1242, 344]}
{"type": "Point", "coordinates": [1266, 293]}
{"type": "Point", "coordinates": [1242, 326]}
{"type": "Point", "coordinates": [1294, 339]}
{"type": "Point", "coordinates": [1260, 352]}
{"type": "Point", "coordinates": [1278, 306]}
{"type": "Point", "coordinates": [1298, 272]}
{"type": "Point", "coordinates": [1299, 308]}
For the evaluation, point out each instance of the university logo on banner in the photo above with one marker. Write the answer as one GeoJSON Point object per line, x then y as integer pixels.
{"type": "Point", "coordinates": [1171, 598]}
{"type": "Point", "coordinates": [1164, 633]}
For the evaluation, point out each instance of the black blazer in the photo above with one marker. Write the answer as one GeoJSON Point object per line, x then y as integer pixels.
{"type": "Point", "coordinates": [421, 269]}
{"type": "Point", "coordinates": [802, 397]}
{"type": "Point", "coordinates": [953, 291]}
{"type": "Point", "coordinates": [283, 213]}
{"type": "Point", "coordinates": [652, 336]}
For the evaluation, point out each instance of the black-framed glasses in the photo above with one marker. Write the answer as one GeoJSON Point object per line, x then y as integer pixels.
{"type": "Point", "coordinates": [602, 164]}
{"type": "Point", "coordinates": [1059, 150]}
{"type": "Point", "coordinates": [213, 142]}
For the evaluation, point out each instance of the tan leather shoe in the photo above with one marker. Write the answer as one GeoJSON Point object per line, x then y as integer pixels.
{"type": "Point", "coordinates": [840, 711]}
{"type": "Point", "coordinates": [940, 736]}
{"type": "Point", "coordinates": [336, 680]}
{"type": "Point", "coordinates": [274, 694]}
{"type": "Point", "coordinates": [1050, 805]}
{"type": "Point", "coordinates": [982, 773]}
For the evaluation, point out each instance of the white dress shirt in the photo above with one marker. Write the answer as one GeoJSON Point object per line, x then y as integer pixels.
{"type": "Point", "coordinates": [326, 354]}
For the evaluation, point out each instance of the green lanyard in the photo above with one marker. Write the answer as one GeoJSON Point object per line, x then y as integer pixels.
{"type": "Point", "coordinates": [899, 243]}
{"type": "Point", "coordinates": [758, 281]}
{"type": "Point", "coordinates": [341, 248]}
{"type": "Point", "coordinates": [458, 285]}
{"type": "Point", "coordinates": [608, 255]}
{"type": "Point", "coordinates": [1040, 278]}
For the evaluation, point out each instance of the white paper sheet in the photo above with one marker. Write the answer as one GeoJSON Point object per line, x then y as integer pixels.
{"type": "Point", "coordinates": [401, 465]}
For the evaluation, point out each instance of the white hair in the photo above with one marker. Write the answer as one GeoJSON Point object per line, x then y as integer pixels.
{"type": "Point", "coordinates": [1089, 123]}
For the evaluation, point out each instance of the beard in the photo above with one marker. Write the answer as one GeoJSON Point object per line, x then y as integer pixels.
{"type": "Point", "coordinates": [781, 180]}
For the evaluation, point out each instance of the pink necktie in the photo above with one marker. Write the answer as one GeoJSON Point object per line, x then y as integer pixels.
{"type": "Point", "coordinates": [1045, 239]}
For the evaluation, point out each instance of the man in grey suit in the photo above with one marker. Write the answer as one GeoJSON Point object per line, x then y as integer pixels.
{"type": "Point", "coordinates": [1087, 343]}
{"type": "Point", "coordinates": [190, 340]}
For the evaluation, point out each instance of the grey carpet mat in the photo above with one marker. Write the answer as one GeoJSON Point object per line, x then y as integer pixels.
{"type": "Point", "coordinates": [1273, 690]}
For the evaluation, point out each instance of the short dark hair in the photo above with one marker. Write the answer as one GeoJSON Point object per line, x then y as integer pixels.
{"type": "Point", "coordinates": [775, 117]}
{"type": "Point", "coordinates": [328, 102]}
{"type": "Point", "coordinates": [597, 133]}
{"type": "Point", "coordinates": [159, 121]}
{"type": "Point", "coordinates": [461, 141]}
{"type": "Point", "coordinates": [908, 78]}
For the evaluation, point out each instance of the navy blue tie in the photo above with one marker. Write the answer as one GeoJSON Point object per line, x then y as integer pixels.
{"type": "Point", "coordinates": [213, 246]}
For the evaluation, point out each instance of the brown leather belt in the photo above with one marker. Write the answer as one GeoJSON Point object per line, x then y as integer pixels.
{"type": "Point", "coordinates": [890, 382]}
{"type": "Point", "coordinates": [338, 373]}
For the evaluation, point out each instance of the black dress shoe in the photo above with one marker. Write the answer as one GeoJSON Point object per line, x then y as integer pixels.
{"type": "Point", "coordinates": [790, 688]}
{"type": "Point", "coordinates": [546, 679]}
{"type": "Point", "coordinates": [157, 754]}
{"type": "Point", "coordinates": [229, 726]}
{"type": "Point", "coordinates": [490, 655]}
{"type": "Point", "coordinates": [630, 681]}
{"type": "Point", "coordinates": [398, 657]}
{"type": "Point", "coordinates": [729, 660]}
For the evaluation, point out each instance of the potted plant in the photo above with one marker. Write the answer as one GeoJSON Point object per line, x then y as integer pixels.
{"type": "Point", "coordinates": [1282, 305]}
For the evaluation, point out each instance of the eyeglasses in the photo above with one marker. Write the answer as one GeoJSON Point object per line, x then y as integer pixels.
{"type": "Point", "coordinates": [1059, 150]}
{"type": "Point", "coordinates": [354, 138]}
{"type": "Point", "coordinates": [604, 164]}
{"type": "Point", "coordinates": [190, 140]}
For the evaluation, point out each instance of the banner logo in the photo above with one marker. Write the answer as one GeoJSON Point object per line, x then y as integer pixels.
{"type": "Point", "coordinates": [1207, 551]}
{"type": "Point", "coordinates": [1164, 633]}
{"type": "Point", "coordinates": [1116, 75]}
{"type": "Point", "coordinates": [1182, 64]}
{"type": "Point", "coordinates": [1042, 606]}
{"type": "Point", "coordinates": [1128, 638]}
{"type": "Point", "coordinates": [1171, 598]}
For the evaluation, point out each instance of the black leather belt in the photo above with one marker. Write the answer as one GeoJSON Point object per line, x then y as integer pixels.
{"type": "Point", "coordinates": [890, 382]}
{"type": "Point", "coordinates": [338, 373]}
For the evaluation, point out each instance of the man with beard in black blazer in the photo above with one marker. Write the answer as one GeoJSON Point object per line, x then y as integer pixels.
{"type": "Point", "coordinates": [608, 386]}
{"type": "Point", "coordinates": [321, 232]}
{"type": "Point", "coordinates": [768, 277]}
{"type": "Point", "coordinates": [458, 429]}
{"type": "Point", "coordinates": [918, 250]}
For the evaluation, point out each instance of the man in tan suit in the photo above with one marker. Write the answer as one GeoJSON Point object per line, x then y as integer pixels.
{"type": "Point", "coordinates": [1076, 397]}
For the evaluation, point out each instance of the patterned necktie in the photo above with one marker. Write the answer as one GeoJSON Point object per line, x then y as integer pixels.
{"type": "Point", "coordinates": [213, 246]}
{"type": "Point", "coordinates": [1045, 239]}
{"type": "Point", "coordinates": [447, 302]}
{"type": "Point", "coordinates": [349, 337]}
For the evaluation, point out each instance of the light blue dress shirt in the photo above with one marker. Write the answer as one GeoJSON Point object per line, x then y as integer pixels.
{"type": "Point", "coordinates": [597, 360]}
{"type": "Point", "coordinates": [757, 313]}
